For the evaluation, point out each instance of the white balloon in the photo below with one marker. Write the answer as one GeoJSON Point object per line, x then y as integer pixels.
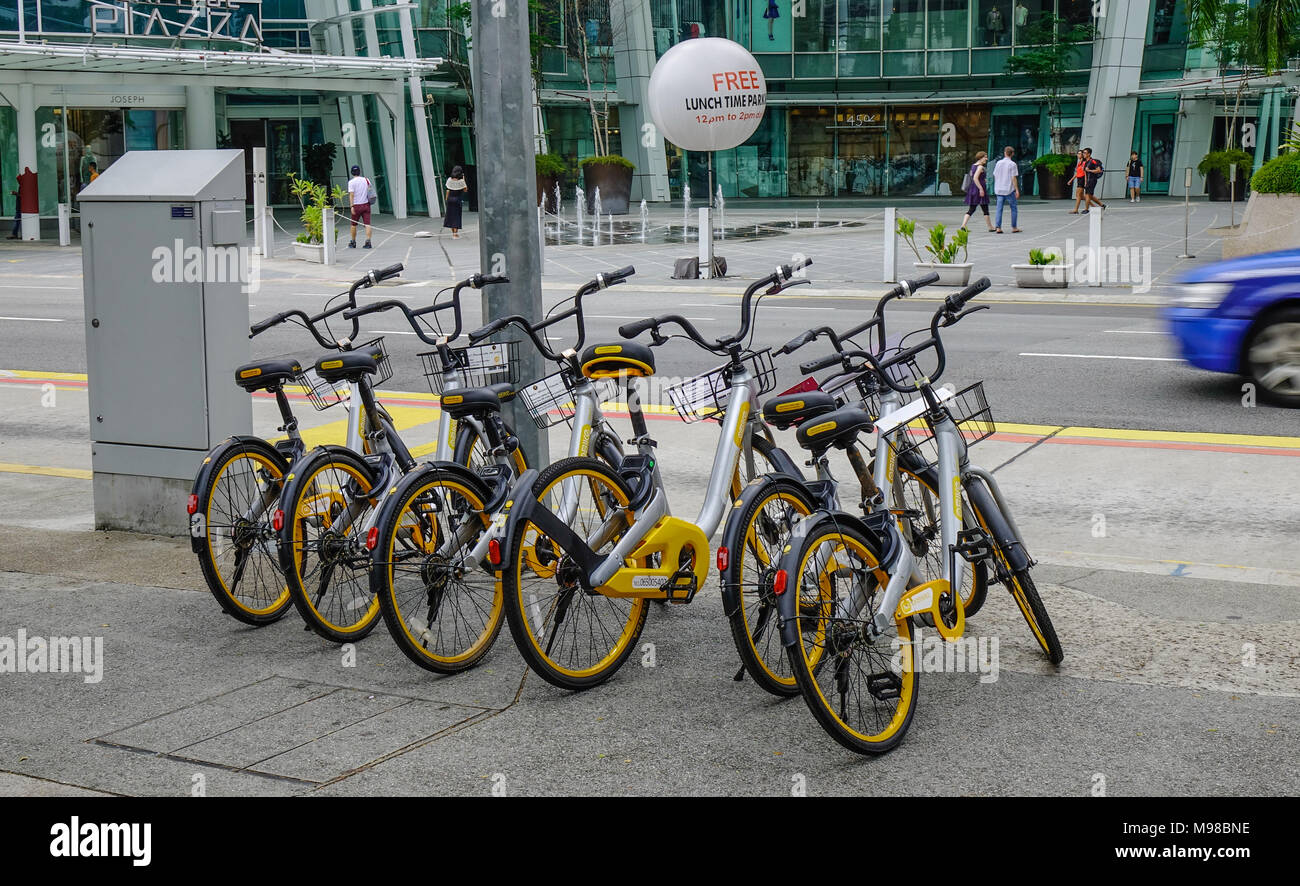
{"type": "Point", "coordinates": [707, 94]}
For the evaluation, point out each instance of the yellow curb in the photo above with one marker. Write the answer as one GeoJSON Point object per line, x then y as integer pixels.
{"type": "Point", "coordinates": [70, 473]}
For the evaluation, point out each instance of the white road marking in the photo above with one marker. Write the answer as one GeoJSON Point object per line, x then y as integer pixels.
{"type": "Point", "coordinates": [34, 319]}
{"type": "Point", "coordinates": [634, 317]}
{"type": "Point", "coordinates": [24, 286]}
{"type": "Point", "coordinates": [1107, 357]}
{"type": "Point", "coordinates": [1137, 331]}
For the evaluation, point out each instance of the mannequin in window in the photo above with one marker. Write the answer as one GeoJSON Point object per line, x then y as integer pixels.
{"type": "Point", "coordinates": [994, 26]}
{"type": "Point", "coordinates": [772, 14]}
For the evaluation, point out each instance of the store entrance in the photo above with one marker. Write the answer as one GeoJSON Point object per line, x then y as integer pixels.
{"type": "Point", "coordinates": [862, 161]}
{"type": "Point", "coordinates": [1157, 152]}
{"type": "Point", "coordinates": [1020, 131]}
{"type": "Point", "coordinates": [283, 155]}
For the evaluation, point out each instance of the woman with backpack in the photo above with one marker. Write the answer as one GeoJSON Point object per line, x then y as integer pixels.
{"type": "Point", "coordinates": [457, 190]}
{"type": "Point", "coordinates": [1077, 181]}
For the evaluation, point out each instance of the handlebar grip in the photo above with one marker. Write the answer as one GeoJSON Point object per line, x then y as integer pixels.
{"type": "Point", "coordinates": [389, 272]}
{"type": "Point", "coordinates": [262, 325]}
{"type": "Point", "coordinates": [494, 279]}
{"type": "Point", "coordinates": [484, 331]}
{"type": "Point", "coordinates": [798, 342]}
{"type": "Point", "coordinates": [613, 277]}
{"type": "Point", "coordinates": [912, 285]}
{"type": "Point", "coordinates": [820, 364]}
{"type": "Point", "coordinates": [632, 330]}
{"type": "Point", "coordinates": [353, 313]}
{"type": "Point", "coordinates": [958, 301]}
{"type": "Point", "coordinates": [785, 272]}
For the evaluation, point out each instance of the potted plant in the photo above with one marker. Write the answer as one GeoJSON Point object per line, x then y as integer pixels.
{"type": "Point", "coordinates": [1046, 270]}
{"type": "Point", "coordinates": [1216, 167]}
{"type": "Point", "coordinates": [942, 250]}
{"type": "Point", "coordinates": [550, 172]}
{"type": "Point", "coordinates": [613, 175]}
{"type": "Point", "coordinates": [1055, 172]}
{"type": "Point", "coordinates": [1271, 221]}
{"type": "Point", "coordinates": [315, 201]}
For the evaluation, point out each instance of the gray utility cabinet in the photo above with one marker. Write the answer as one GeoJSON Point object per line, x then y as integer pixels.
{"type": "Point", "coordinates": [164, 255]}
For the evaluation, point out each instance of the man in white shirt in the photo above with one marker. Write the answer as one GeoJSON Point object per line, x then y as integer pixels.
{"type": "Point", "coordinates": [1006, 185]}
{"type": "Point", "coordinates": [359, 199]}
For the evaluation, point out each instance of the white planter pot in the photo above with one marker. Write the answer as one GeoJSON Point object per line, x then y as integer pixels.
{"type": "Point", "coordinates": [313, 252]}
{"type": "Point", "coordinates": [949, 275]}
{"type": "Point", "coordinates": [1041, 276]}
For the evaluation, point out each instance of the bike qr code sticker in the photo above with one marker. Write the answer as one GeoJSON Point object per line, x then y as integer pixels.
{"type": "Point", "coordinates": [489, 357]}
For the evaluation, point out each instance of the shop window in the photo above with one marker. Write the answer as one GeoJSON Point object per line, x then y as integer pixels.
{"type": "Point", "coordinates": [948, 23]}
{"type": "Point", "coordinates": [860, 64]}
{"type": "Point", "coordinates": [770, 24]}
{"type": "Point", "coordinates": [1025, 15]}
{"type": "Point", "coordinates": [819, 65]}
{"type": "Point", "coordinates": [814, 31]}
{"type": "Point", "coordinates": [993, 22]}
{"type": "Point", "coordinates": [904, 64]}
{"type": "Point", "coordinates": [905, 25]}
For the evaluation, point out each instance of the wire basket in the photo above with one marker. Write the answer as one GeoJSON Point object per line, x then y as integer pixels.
{"type": "Point", "coordinates": [970, 412]}
{"type": "Point", "coordinates": [705, 396]}
{"type": "Point", "coordinates": [551, 400]}
{"type": "Point", "coordinates": [478, 365]}
{"type": "Point", "coordinates": [323, 394]}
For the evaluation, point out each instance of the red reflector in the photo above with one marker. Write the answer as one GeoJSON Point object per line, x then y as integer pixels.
{"type": "Point", "coordinates": [778, 583]}
{"type": "Point", "coordinates": [277, 522]}
{"type": "Point", "coordinates": [808, 384]}
{"type": "Point", "coordinates": [494, 552]}
{"type": "Point", "coordinates": [192, 505]}
{"type": "Point", "coordinates": [372, 538]}
{"type": "Point", "coordinates": [723, 558]}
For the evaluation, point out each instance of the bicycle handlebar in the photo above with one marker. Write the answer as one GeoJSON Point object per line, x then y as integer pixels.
{"type": "Point", "coordinates": [478, 281]}
{"type": "Point", "coordinates": [346, 309]}
{"type": "Point", "coordinates": [951, 311]}
{"type": "Point", "coordinates": [602, 280]}
{"type": "Point", "coordinates": [902, 290]}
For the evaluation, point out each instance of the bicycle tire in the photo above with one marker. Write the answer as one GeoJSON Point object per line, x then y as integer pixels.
{"type": "Point", "coordinates": [250, 537]}
{"type": "Point", "coordinates": [811, 661]}
{"type": "Point", "coordinates": [1031, 607]}
{"type": "Point", "coordinates": [350, 609]}
{"type": "Point", "coordinates": [521, 594]}
{"type": "Point", "coordinates": [409, 545]}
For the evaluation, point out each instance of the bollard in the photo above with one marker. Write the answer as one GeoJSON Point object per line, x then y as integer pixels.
{"type": "Point", "coordinates": [260, 204]}
{"type": "Point", "coordinates": [1094, 248]}
{"type": "Point", "coordinates": [890, 272]}
{"type": "Point", "coordinates": [268, 234]}
{"type": "Point", "coordinates": [706, 243]}
{"type": "Point", "coordinates": [1187, 211]}
{"type": "Point", "coordinates": [541, 241]}
{"type": "Point", "coordinates": [327, 234]}
{"type": "Point", "coordinates": [65, 224]}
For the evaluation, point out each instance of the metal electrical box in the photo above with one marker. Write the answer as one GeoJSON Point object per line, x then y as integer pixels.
{"type": "Point", "coordinates": [166, 265]}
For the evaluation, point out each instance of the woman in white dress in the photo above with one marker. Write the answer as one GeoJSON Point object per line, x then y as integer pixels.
{"type": "Point", "coordinates": [457, 191]}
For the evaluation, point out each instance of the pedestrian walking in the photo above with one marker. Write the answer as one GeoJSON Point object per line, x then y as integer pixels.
{"type": "Point", "coordinates": [1076, 181]}
{"type": "Point", "coordinates": [360, 193]}
{"type": "Point", "coordinates": [1006, 186]}
{"type": "Point", "coordinates": [457, 191]}
{"type": "Point", "coordinates": [1135, 175]}
{"type": "Point", "coordinates": [16, 233]}
{"type": "Point", "coordinates": [1093, 170]}
{"type": "Point", "coordinates": [977, 192]}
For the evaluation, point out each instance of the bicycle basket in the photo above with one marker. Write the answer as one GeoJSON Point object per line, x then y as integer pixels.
{"type": "Point", "coordinates": [551, 400]}
{"type": "Point", "coordinates": [706, 396]}
{"type": "Point", "coordinates": [322, 394]}
{"type": "Point", "coordinates": [970, 413]}
{"type": "Point", "coordinates": [478, 365]}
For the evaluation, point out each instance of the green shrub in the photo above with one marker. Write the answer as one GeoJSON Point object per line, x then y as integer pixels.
{"type": "Point", "coordinates": [315, 200]}
{"type": "Point", "coordinates": [1045, 257]}
{"type": "Point", "coordinates": [1220, 161]}
{"type": "Point", "coordinates": [608, 160]}
{"type": "Point", "coordinates": [1281, 175]}
{"type": "Point", "coordinates": [550, 165]}
{"type": "Point", "coordinates": [1056, 164]}
{"type": "Point", "coordinates": [942, 250]}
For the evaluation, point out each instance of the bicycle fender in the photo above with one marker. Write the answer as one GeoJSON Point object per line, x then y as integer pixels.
{"type": "Point", "coordinates": [208, 466]}
{"type": "Point", "coordinates": [999, 527]}
{"type": "Point", "coordinates": [422, 472]}
{"type": "Point", "coordinates": [732, 541]}
{"type": "Point", "coordinates": [520, 504]}
{"type": "Point", "coordinates": [784, 463]}
{"type": "Point", "coordinates": [787, 603]}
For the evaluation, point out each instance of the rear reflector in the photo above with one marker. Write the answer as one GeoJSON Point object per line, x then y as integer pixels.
{"type": "Point", "coordinates": [277, 522]}
{"type": "Point", "coordinates": [372, 538]}
{"type": "Point", "coordinates": [724, 557]}
{"type": "Point", "coordinates": [192, 505]}
{"type": "Point", "coordinates": [494, 552]}
{"type": "Point", "coordinates": [779, 582]}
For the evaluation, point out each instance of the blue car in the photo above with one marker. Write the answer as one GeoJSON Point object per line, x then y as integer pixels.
{"type": "Point", "coordinates": [1242, 316]}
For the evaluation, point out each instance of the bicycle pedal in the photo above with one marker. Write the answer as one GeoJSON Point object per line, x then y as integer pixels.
{"type": "Point", "coordinates": [682, 581]}
{"type": "Point", "coordinates": [885, 686]}
{"type": "Point", "coordinates": [974, 545]}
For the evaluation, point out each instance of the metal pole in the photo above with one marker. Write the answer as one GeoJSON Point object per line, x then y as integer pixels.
{"type": "Point", "coordinates": [706, 229]}
{"type": "Point", "coordinates": [1232, 194]}
{"type": "Point", "coordinates": [508, 242]}
{"type": "Point", "coordinates": [889, 273]}
{"type": "Point", "coordinates": [1094, 249]}
{"type": "Point", "coordinates": [1187, 211]}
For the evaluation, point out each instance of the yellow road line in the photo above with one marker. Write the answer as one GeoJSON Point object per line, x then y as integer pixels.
{"type": "Point", "coordinates": [70, 473]}
{"type": "Point", "coordinates": [404, 418]}
{"type": "Point", "coordinates": [1180, 437]}
{"type": "Point", "coordinates": [32, 373]}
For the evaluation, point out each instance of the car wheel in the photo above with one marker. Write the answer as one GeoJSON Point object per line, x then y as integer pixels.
{"type": "Point", "coordinates": [1273, 358]}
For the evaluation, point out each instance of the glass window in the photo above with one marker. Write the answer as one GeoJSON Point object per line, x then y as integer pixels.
{"type": "Point", "coordinates": [770, 24]}
{"type": "Point", "coordinates": [968, 130]}
{"type": "Point", "coordinates": [913, 151]}
{"type": "Point", "coordinates": [860, 64]}
{"type": "Point", "coordinates": [1168, 23]}
{"type": "Point", "coordinates": [1076, 12]}
{"type": "Point", "coordinates": [819, 65]}
{"type": "Point", "coordinates": [993, 23]}
{"type": "Point", "coordinates": [948, 23]}
{"type": "Point", "coordinates": [812, 152]}
{"type": "Point", "coordinates": [775, 67]}
{"type": "Point", "coordinates": [904, 64]}
{"type": "Point", "coordinates": [859, 27]}
{"type": "Point", "coordinates": [989, 61]}
{"type": "Point", "coordinates": [947, 64]}
{"type": "Point", "coordinates": [814, 31]}
{"type": "Point", "coordinates": [1026, 14]}
{"type": "Point", "coordinates": [862, 149]}
{"type": "Point", "coordinates": [905, 25]}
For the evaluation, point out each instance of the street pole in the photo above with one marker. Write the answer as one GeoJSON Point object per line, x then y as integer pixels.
{"type": "Point", "coordinates": [1187, 211]}
{"type": "Point", "coordinates": [1232, 194]}
{"type": "Point", "coordinates": [890, 270]}
{"type": "Point", "coordinates": [509, 241]}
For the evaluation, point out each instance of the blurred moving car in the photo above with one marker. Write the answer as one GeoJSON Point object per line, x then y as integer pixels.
{"type": "Point", "coordinates": [1242, 316]}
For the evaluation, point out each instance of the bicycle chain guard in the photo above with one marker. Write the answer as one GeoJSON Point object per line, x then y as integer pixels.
{"type": "Point", "coordinates": [925, 598]}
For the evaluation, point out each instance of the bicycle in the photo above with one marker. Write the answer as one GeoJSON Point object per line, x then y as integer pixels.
{"type": "Point", "coordinates": [766, 510]}
{"type": "Point", "coordinates": [328, 504]}
{"type": "Point", "coordinates": [581, 546]}
{"type": "Point", "coordinates": [858, 573]}
{"type": "Point", "coordinates": [441, 606]}
{"type": "Point", "coordinates": [234, 492]}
